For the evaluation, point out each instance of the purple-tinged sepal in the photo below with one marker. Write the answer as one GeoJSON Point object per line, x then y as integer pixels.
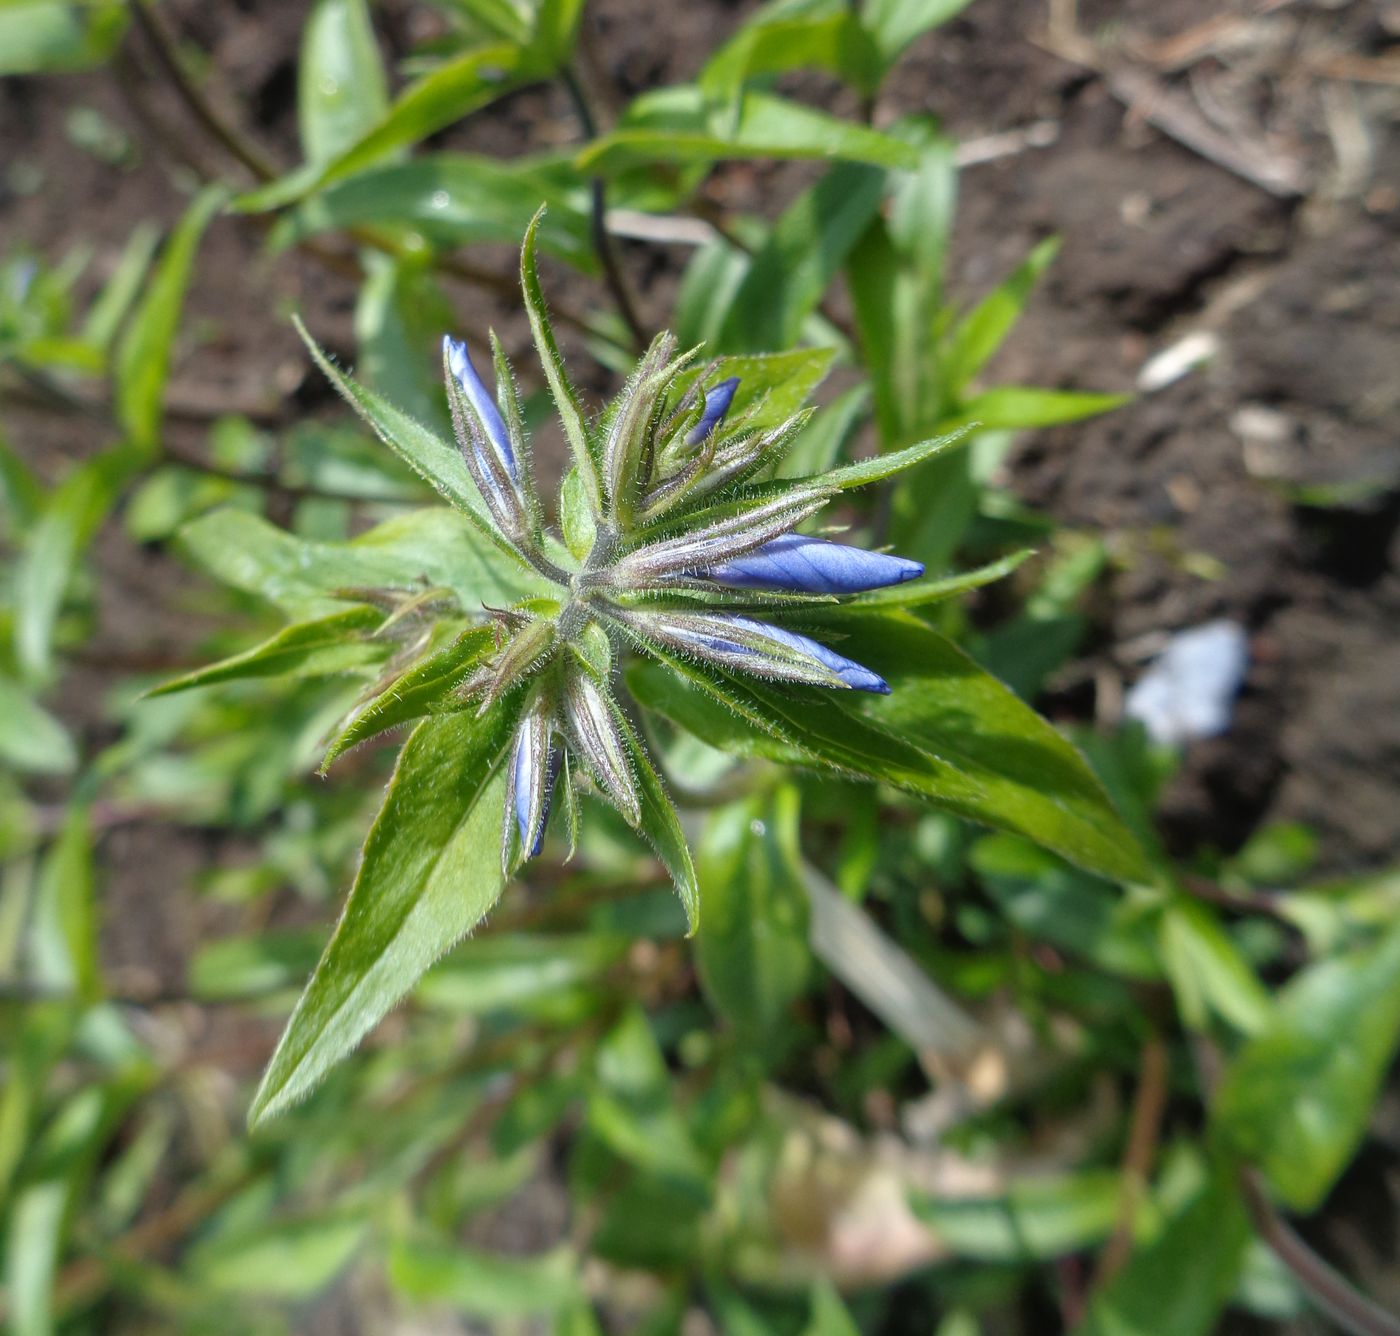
{"type": "Point", "coordinates": [752, 647]}
{"type": "Point", "coordinates": [592, 728]}
{"type": "Point", "coordinates": [800, 564]}
{"type": "Point", "coordinates": [719, 539]}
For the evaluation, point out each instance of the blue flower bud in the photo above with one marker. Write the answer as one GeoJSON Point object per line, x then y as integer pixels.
{"type": "Point", "coordinates": [750, 646]}
{"type": "Point", "coordinates": [717, 401]}
{"type": "Point", "coordinates": [854, 675]}
{"type": "Point", "coordinates": [482, 400]}
{"type": "Point", "coordinates": [813, 566]}
{"type": "Point", "coordinates": [534, 765]}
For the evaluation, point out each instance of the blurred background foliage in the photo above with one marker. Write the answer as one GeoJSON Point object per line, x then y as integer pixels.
{"type": "Point", "coordinates": [911, 1076]}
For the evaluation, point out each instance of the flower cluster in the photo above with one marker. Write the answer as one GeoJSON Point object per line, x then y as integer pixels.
{"type": "Point", "coordinates": [679, 543]}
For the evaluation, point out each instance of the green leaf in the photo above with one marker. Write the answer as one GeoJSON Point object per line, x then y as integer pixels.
{"type": "Point", "coordinates": [341, 89]}
{"type": "Point", "coordinates": [660, 826]}
{"type": "Point", "coordinates": [431, 870]}
{"type": "Point", "coordinates": [46, 36]}
{"type": "Point", "coordinates": [830, 1316]}
{"type": "Point", "coordinates": [415, 692]}
{"type": "Point", "coordinates": [489, 974]}
{"type": "Point", "coordinates": [776, 384]}
{"type": "Point", "coordinates": [884, 466]}
{"type": "Point", "coordinates": [771, 44]}
{"type": "Point", "coordinates": [1177, 1284]}
{"type": "Point", "coordinates": [1051, 902]}
{"type": "Point", "coordinates": [1207, 971]}
{"type": "Point", "coordinates": [807, 247]}
{"type": "Point", "coordinates": [920, 593]}
{"type": "Point", "coordinates": [284, 1259]}
{"type": "Point", "coordinates": [948, 732]}
{"type": "Point", "coordinates": [894, 24]}
{"type": "Point", "coordinates": [1017, 407]}
{"type": "Point", "coordinates": [114, 301]}
{"type": "Point", "coordinates": [581, 445]}
{"type": "Point", "coordinates": [455, 199]}
{"type": "Point", "coordinates": [433, 547]}
{"type": "Point", "coordinates": [1035, 1219]}
{"type": "Point", "coordinates": [674, 125]}
{"type": "Point", "coordinates": [752, 948]}
{"type": "Point", "coordinates": [31, 739]}
{"type": "Point", "coordinates": [979, 334]}
{"type": "Point", "coordinates": [429, 1271]}
{"type": "Point", "coordinates": [1298, 1096]}
{"type": "Point", "coordinates": [454, 90]}
{"type": "Point", "coordinates": [74, 512]}
{"type": "Point", "coordinates": [143, 356]}
{"type": "Point", "coordinates": [321, 648]}
{"type": "Point", "coordinates": [64, 945]}
{"type": "Point", "coordinates": [400, 317]}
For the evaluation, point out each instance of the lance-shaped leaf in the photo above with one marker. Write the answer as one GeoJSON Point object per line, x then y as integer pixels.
{"type": "Point", "coordinates": [949, 732]}
{"type": "Point", "coordinates": [812, 565]}
{"type": "Point", "coordinates": [748, 646]}
{"type": "Point", "coordinates": [592, 724]}
{"type": "Point", "coordinates": [585, 453]}
{"type": "Point", "coordinates": [430, 547]}
{"type": "Point", "coordinates": [339, 643]}
{"type": "Point", "coordinates": [429, 874]}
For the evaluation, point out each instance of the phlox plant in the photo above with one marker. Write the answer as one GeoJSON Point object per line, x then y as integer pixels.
{"type": "Point", "coordinates": [679, 549]}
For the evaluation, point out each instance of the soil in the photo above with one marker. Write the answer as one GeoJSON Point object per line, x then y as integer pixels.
{"type": "Point", "coordinates": [1200, 485]}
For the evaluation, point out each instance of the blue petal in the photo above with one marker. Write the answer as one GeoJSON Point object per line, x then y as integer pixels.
{"type": "Point", "coordinates": [481, 399]}
{"type": "Point", "coordinates": [717, 401]}
{"type": "Point", "coordinates": [813, 566]}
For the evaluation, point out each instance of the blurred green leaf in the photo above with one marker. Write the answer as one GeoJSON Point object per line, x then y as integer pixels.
{"type": "Point", "coordinates": [894, 24]}
{"type": "Point", "coordinates": [806, 249]}
{"type": "Point", "coordinates": [752, 948]}
{"type": "Point", "coordinates": [455, 89]}
{"type": "Point", "coordinates": [774, 40]}
{"type": "Point", "coordinates": [675, 125]}
{"type": "Point", "coordinates": [46, 36]}
{"type": "Point", "coordinates": [341, 89]}
{"type": "Point", "coordinates": [431, 870]}
{"type": "Point", "coordinates": [829, 1315]}
{"type": "Point", "coordinates": [1016, 407]}
{"type": "Point", "coordinates": [235, 967]}
{"type": "Point", "coordinates": [1054, 903]}
{"type": "Point", "coordinates": [109, 308]}
{"type": "Point", "coordinates": [63, 942]}
{"type": "Point", "coordinates": [1036, 1218]}
{"type": "Point", "coordinates": [143, 355]}
{"type": "Point", "coordinates": [1177, 1284]}
{"type": "Point", "coordinates": [399, 322]}
{"type": "Point", "coordinates": [978, 335]}
{"type": "Point", "coordinates": [456, 199]}
{"type": "Point", "coordinates": [72, 515]}
{"type": "Point", "coordinates": [1207, 971]}
{"type": "Point", "coordinates": [285, 1259]}
{"type": "Point", "coordinates": [1297, 1097]}
{"type": "Point", "coordinates": [497, 973]}
{"type": "Point", "coordinates": [31, 739]}
{"type": "Point", "coordinates": [426, 1270]}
